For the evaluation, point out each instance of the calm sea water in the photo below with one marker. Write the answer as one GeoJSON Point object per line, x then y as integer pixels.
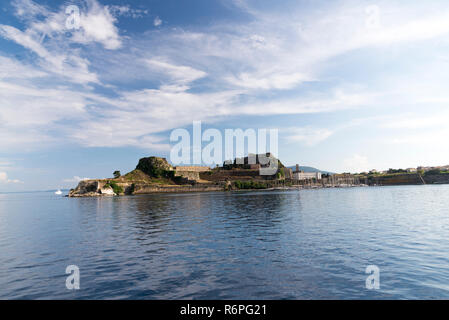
{"type": "Point", "coordinates": [252, 245]}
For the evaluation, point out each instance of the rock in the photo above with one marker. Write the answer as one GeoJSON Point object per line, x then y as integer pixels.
{"type": "Point", "coordinates": [101, 187]}
{"type": "Point", "coordinates": [154, 166]}
{"type": "Point", "coordinates": [85, 188]}
{"type": "Point", "coordinates": [108, 191]}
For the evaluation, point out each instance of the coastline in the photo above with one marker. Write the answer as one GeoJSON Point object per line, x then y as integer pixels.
{"type": "Point", "coordinates": [156, 175]}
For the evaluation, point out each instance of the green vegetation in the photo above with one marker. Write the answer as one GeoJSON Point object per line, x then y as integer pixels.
{"type": "Point", "coordinates": [112, 184]}
{"type": "Point", "coordinates": [397, 172]}
{"type": "Point", "coordinates": [393, 171]}
{"type": "Point", "coordinates": [250, 185]}
{"type": "Point", "coordinates": [131, 189]}
{"type": "Point", "coordinates": [154, 167]}
{"type": "Point", "coordinates": [117, 174]}
{"type": "Point", "coordinates": [435, 172]}
{"type": "Point", "coordinates": [137, 175]}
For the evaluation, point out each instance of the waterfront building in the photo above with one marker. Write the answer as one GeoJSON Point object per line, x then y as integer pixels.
{"type": "Point", "coordinates": [301, 175]}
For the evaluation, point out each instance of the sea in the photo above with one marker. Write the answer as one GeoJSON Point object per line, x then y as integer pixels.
{"type": "Point", "coordinates": [338, 243]}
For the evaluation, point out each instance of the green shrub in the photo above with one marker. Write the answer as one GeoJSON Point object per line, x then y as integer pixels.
{"type": "Point", "coordinates": [281, 171]}
{"type": "Point", "coordinates": [250, 185]}
{"type": "Point", "coordinates": [433, 172]}
{"type": "Point", "coordinates": [117, 189]}
{"type": "Point", "coordinates": [131, 189]}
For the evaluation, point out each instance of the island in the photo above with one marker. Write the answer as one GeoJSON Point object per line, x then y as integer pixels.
{"type": "Point", "coordinates": [157, 175]}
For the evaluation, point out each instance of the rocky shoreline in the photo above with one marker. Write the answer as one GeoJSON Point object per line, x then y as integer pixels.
{"type": "Point", "coordinates": [95, 188]}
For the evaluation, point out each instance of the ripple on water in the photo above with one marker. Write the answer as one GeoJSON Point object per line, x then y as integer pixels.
{"type": "Point", "coordinates": [311, 244]}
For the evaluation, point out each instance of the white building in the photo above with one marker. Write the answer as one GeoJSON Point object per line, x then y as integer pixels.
{"type": "Point", "coordinates": [306, 175]}
{"type": "Point", "coordinates": [301, 175]}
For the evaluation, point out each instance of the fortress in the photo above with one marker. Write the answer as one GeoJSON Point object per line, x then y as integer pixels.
{"type": "Point", "coordinates": [190, 172]}
{"type": "Point", "coordinates": [192, 169]}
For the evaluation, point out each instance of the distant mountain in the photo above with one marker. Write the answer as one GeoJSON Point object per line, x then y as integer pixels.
{"type": "Point", "coordinates": [310, 169]}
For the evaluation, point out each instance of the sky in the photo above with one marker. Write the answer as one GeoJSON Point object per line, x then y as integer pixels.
{"type": "Point", "coordinates": [350, 85]}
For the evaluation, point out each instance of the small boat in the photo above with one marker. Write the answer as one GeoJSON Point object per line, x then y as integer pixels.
{"type": "Point", "coordinates": [59, 192]}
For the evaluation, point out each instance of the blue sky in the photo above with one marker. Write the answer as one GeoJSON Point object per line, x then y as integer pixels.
{"type": "Point", "coordinates": [351, 85]}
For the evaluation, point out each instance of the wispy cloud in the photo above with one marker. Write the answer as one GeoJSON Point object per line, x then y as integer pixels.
{"type": "Point", "coordinates": [157, 22]}
{"type": "Point", "coordinates": [357, 163]}
{"type": "Point", "coordinates": [75, 179]}
{"type": "Point", "coordinates": [176, 73]}
{"type": "Point", "coordinates": [274, 64]}
{"type": "Point", "coordinates": [308, 136]}
{"type": "Point", "coordinates": [4, 178]}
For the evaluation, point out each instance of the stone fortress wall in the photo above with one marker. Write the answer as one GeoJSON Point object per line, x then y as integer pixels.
{"type": "Point", "coordinates": [190, 172]}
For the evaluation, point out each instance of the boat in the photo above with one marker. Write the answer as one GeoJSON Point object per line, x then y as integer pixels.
{"type": "Point", "coordinates": [59, 192]}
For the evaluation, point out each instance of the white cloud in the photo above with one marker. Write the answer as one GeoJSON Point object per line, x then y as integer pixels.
{"type": "Point", "coordinates": [430, 137]}
{"type": "Point", "coordinates": [71, 67]}
{"type": "Point", "coordinates": [76, 179]}
{"type": "Point", "coordinates": [246, 65]}
{"type": "Point", "coordinates": [4, 178]}
{"type": "Point", "coordinates": [28, 105]}
{"type": "Point", "coordinates": [46, 35]}
{"type": "Point", "coordinates": [418, 121]}
{"type": "Point", "coordinates": [119, 10]}
{"type": "Point", "coordinates": [98, 25]}
{"type": "Point", "coordinates": [179, 74]}
{"type": "Point", "coordinates": [356, 164]}
{"type": "Point", "coordinates": [27, 9]}
{"type": "Point", "coordinates": [268, 81]}
{"type": "Point", "coordinates": [26, 40]}
{"type": "Point", "coordinates": [127, 11]}
{"type": "Point", "coordinates": [136, 117]}
{"type": "Point", "coordinates": [308, 136]}
{"type": "Point", "coordinates": [12, 69]}
{"type": "Point", "coordinates": [157, 22]}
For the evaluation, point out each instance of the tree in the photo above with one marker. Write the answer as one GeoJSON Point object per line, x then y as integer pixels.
{"type": "Point", "coordinates": [117, 174]}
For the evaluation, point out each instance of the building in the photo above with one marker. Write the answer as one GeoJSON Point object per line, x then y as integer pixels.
{"type": "Point", "coordinates": [288, 173]}
{"type": "Point", "coordinates": [306, 175]}
{"type": "Point", "coordinates": [301, 175]}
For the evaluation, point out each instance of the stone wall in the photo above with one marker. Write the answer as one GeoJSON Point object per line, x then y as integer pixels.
{"type": "Point", "coordinates": [233, 174]}
{"type": "Point", "coordinates": [173, 189]}
{"type": "Point", "coordinates": [190, 172]}
{"type": "Point", "coordinates": [436, 178]}
{"type": "Point", "coordinates": [408, 179]}
{"type": "Point", "coordinates": [191, 175]}
{"type": "Point", "coordinates": [394, 180]}
{"type": "Point", "coordinates": [192, 169]}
